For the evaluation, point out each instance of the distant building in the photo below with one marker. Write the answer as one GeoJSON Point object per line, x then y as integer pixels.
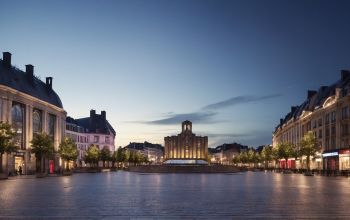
{"type": "Point", "coordinates": [31, 107]}
{"type": "Point", "coordinates": [154, 152]}
{"type": "Point", "coordinates": [225, 153]}
{"type": "Point", "coordinates": [326, 113]}
{"type": "Point", "coordinates": [186, 147]}
{"type": "Point", "coordinates": [91, 130]}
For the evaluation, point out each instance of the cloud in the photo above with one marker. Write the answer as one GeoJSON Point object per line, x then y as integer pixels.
{"type": "Point", "coordinates": [206, 115]}
{"type": "Point", "coordinates": [239, 100]}
{"type": "Point", "coordinates": [195, 117]}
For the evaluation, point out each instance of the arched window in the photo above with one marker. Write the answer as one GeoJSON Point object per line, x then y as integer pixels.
{"type": "Point", "coordinates": [17, 116]}
{"type": "Point", "coordinates": [37, 121]}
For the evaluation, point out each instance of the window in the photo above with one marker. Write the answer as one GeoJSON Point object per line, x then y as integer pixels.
{"type": "Point", "coordinates": [51, 125]}
{"type": "Point", "coordinates": [319, 122]}
{"type": "Point", "coordinates": [17, 114]}
{"type": "Point", "coordinates": [107, 140]}
{"type": "Point", "coordinates": [345, 112]}
{"type": "Point", "coordinates": [333, 130]}
{"type": "Point", "coordinates": [37, 121]}
{"type": "Point", "coordinates": [314, 124]}
{"type": "Point", "coordinates": [344, 129]}
{"type": "Point", "coordinates": [327, 132]}
{"type": "Point", "coordinates": [333, 117]}
{"type": "Point", "coordinates": [320, 133]}
{"type": "Point", "coordinates": [327, 119]}
{"type": "Point", "coordinates": [96, 139]}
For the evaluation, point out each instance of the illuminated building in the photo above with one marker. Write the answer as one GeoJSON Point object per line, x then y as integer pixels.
{"type": "Point", "coordinates": [31, 106]}
{"type": "Point", "coordinates": [326, 113]}
{"type": "Point", "coordinates": [186, 147]}
{"type": "Point", "coordinates": [91, 130]}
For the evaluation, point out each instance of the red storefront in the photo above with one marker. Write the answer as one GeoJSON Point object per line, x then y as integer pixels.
{"type": "Point", "coordinates": [289, 165]}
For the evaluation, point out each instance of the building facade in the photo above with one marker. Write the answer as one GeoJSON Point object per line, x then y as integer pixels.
{"type": "Point", "coordinates": [94, 129]}
{"type": "Point", "coordinates": [326, 113]}
{"type": "Point", "coordinates": [186, 145]}
{"type": "Point", "coordinates": [225, 153]}
{"type": "Point", "coordinates": [154, 152]}
{"type": "Point", "coordinates": [31, 107]}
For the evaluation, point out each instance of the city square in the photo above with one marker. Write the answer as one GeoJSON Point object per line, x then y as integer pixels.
{"type": "Point", "coordinates": [187, 109]}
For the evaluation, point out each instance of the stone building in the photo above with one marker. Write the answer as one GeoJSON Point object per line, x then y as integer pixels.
{"type": "Point", "coordinates": [30, 106]}
{"type": "Point", "coordinates": [154, 152]}
{"type": "Point", "coordinates": [94, 129]}
{"type": "Point", "coordinates": [186, 147]}
{"type": "Point", "coordinates": [326, 113]}
{"type": "Point", "coordinates": [224, 154]}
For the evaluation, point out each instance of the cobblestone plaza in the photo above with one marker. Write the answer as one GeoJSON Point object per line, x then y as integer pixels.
{"type": "Point", "coordinates": [127, 194]}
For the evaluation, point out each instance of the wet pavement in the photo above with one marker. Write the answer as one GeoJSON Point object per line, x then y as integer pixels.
{"type": "Point", "coordinates": [187, 196]}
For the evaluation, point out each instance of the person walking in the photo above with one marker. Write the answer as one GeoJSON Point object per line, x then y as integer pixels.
{"type": "Point", "coordinates": [20, 170]}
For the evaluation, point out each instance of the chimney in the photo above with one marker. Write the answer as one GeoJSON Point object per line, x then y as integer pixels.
{"type": "Point", "coordinates": [103, 114]}
{"type": "Point", "coordinates": [92, 113]}
{"type": "Point", "coordinates": [311, 93]}
{"type": "Point", "coordinates": [30, 72]}
{"type": "Point", "coordinates": [49, 82]}
{"type": "Point", "coordinates": [293, 109]}
{"type": "Point", "coordinates": [6, 59]}
{"type": "Point", "coordinates": [345, 74]}
{"type": "Point", "coordinates": [281, 121]}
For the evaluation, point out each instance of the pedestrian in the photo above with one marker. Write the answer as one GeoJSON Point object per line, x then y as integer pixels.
{"type": "Point", "coordinates": [20, 170]}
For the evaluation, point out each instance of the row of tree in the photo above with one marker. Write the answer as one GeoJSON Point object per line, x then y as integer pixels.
{"type": "Point", "coordinates": [43, 148]}
{"type": "Point", "coordinates": [119, 157]}
{"type": "Point", "coordinates": [308, 147]}
{"type": "Point", "coordinates": [41, 145]}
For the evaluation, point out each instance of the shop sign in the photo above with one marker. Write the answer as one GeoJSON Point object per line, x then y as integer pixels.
{"type": "Point", "coordinates": [19, 153]}
{"type": "Point", "coordinates": [347, 151]}
{"type": "Point", "coordinates": [330, 154]}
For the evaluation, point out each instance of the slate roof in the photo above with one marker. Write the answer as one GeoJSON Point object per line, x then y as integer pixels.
{"type": "Point", "coordinates": [19, 80]}
{"type": "Point", "coordinates": [317, 99]}
{"type": "Point", "coordinates": [96, 125]}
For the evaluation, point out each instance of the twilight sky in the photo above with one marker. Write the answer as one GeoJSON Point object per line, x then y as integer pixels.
{"type": "Point", "coordinates": [232, 67]}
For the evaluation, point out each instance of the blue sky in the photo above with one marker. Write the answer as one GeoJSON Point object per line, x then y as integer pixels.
{"type": "Point", "coordinates": [232, 67]}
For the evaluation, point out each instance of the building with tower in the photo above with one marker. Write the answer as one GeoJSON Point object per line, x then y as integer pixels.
{"type": "Point", "coordinates": [186, 147]}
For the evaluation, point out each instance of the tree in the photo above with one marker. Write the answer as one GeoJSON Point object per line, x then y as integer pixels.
{"type": "Point", "coordinates": [267, 155]}
{"type": "Point", "coordinates": [114, 158]}
{"type": "Point", "coordinates": [236, 159]}
{"type": "Point", "coordinates": [42, 147]}
{"type": "Point", "coordinates": [256, 158]}
{"type": "Point", "coordinates": [92, 155]}
{"type": "Point", "coordinates": [243, 157]}
{"type": "Point", "coordinates": [68, 151]}
{"type": "Point", "coordinates": [285, 151]}
{"type": "Point", "coordinates": [275, 155]}
{"type": "Point", "coordinates": [105, 155]}
{"type": "Point", "coordinates": [309, 147]}
{"type": "Point", "coordinates": [250, 156]}
{"type": "Point", "coordinates": [120, 155]}
{"type": "Point", "coordinates": [6, 141]}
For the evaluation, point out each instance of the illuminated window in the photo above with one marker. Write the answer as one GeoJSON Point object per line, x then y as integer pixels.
{"type": "Point", "coordinates": [51, 125]}
{"type": "Point", "coordinates": [37, 121]}
{"type": "Point", "coordinates": [17, 114]}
